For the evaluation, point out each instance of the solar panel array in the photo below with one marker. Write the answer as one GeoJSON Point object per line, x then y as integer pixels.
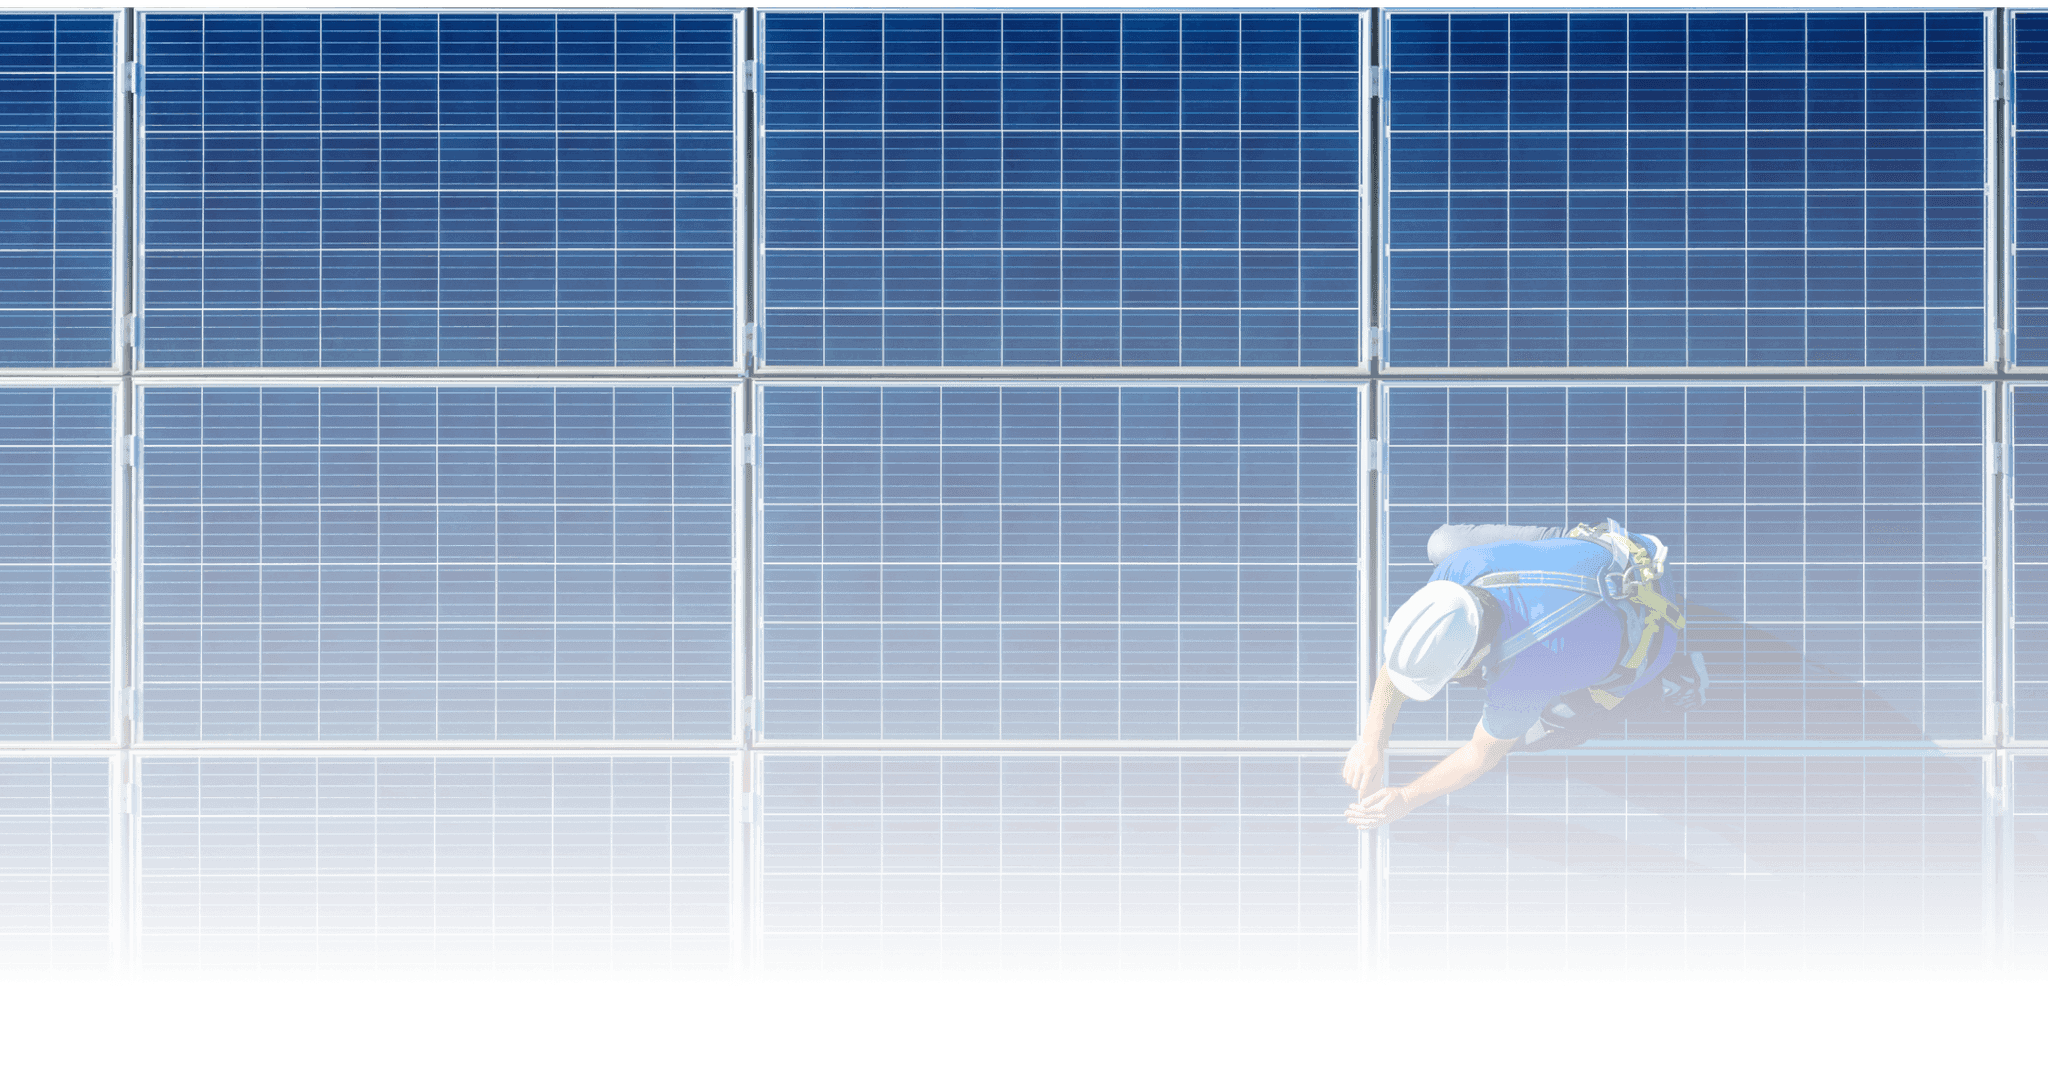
{"type": "Point", "coordinates": [745, 668]}
{"type": "Point", "coordinates": [1006, 562]}
{"type": "Point", "coordinates": [57, 138]}
{"type": "Point", "coordinates": [1061, 189]}
{"type": "Point", "coordinates": [418, 190]}
{"type": "Point", "coordinates": [490, 862]}
{"type": "Point", "coordinates": [1827, 542]}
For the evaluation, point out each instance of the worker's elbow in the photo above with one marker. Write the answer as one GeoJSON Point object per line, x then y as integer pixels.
{"type": "Point", "coordinates": [1490, 750]}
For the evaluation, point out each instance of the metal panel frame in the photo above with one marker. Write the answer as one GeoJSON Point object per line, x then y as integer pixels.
{"type": "Point", "coordinates": [742, 183]}
{"type": "Point", "coordinates": [758, 238]}
{"type": "Point", "coordinates": [1987, 537]}
{"type": "Point", "coordinates": [330, 380]}
{"type": "Point", "coordinates": [1993, 773]}
{"type": "Point", "coordinates": [1993, 185]}
{"type": "Point", "coordinates": [756, 843]}
{"type": "Point", "coordinates": [756, 572]}
{"type": "Point", "coordinates": [140, 761]}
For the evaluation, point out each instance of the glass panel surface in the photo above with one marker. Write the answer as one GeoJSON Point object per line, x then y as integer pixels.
{"type": "Point", "coordinates": [2027, 485]}
{"type": "Point", "coordinates": [2029, 196]}
{"type": "Point", "coordinates": [55, 851]}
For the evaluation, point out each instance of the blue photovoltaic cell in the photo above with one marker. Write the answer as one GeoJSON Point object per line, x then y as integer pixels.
{"type": "Point", "coordinates": [1060, 562]}
{"type": "Point", "coordinates": [1828, 543]}
{"type": "Point", "coordinates": [57, 190]}
{"type": "Point", "coordinates": [1038, 189]}
{"type": "Point", "coordinates": [55, 863]}
{"type": "Point", "coordinates": [1710, 190]}
{"type": "Point", "coordinates": [426, 190]}
{"type": "Point", "coordinates": [1648, 863]}
{"type": "Point", "coordinates": [1071, 863]}
{"type": "Point", "coordinates": [56, 563]}
{"type": "Point", "coordinates": [484, 862]}
{"type": "Point", "coordinates": [2027, 485]}
{"type": "Point", "coordinates": [420, 563]}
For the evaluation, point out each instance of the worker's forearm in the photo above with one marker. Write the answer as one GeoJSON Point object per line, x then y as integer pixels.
{"type": "Point", "coordinates": [1383, 712]}
{"type": "Point", "coordinates": [1458, 769]}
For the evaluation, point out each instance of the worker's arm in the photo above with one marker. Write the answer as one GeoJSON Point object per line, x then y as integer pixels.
{"type": "Point", "coordinates": [1458, 769]}
{"type": "Point", "coordinates": [1365, 767]}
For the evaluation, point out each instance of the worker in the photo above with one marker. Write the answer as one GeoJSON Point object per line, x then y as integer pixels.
{"type": "Point", "coordinates": [1566, 631]}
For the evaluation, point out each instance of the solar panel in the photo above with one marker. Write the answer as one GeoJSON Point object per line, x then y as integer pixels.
{"type": "Point", "coordinates": [1067, 863]}
{"type": "Point", "coordinates": [1667, 189]}
{"type": "Point", "coordinates": [57, 190]}
{"type": "Point", "coordinates": [1061, 189]}
{"type": "Point", "coordinates": [1010, 562]}
{"type": "Point", "coordinates": [419, 190]}
{"type": "Point", "coordinates": [444, 563]}
{"type": "Point", "coordinates": [1650, 863]}
{"type": "Point", "coordinates": [2028, 881]}
{"type": "Point", "coordinates": [2029, 181]}
{"type": "Point", "coordinates": [55, 864]}
{"type": "Point", "coordinates": [2027, 428]}
{"type": "Point", "coordinates": [505, 862]}
{"type": "Point", "coordinates": [1828, 542]}
{"type": "Point", "coordinates": [56, 564]}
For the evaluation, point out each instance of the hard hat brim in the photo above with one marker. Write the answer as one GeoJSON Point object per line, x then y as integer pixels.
{"type": "Point", "coordinates": [1415, 689]}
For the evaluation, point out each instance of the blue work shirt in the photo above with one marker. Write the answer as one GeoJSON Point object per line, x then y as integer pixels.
{"type": "Point", "coordinates": [1577, 656]}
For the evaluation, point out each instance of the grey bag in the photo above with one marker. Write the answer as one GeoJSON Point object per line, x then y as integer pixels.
{"type": "Point", "coordinates": [1452, 537]}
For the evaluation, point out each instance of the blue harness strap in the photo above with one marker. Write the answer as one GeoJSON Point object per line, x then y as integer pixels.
{"type": "Point", "coordinates": [1590, 595]}
{"type": "Point", "coordinates": [1628, 584]}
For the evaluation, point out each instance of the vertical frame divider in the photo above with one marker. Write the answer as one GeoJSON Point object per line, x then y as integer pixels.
{"type": "Point", "coordinates": [746, 766]}
{"type": "Point", "coordinates": [123, 916]}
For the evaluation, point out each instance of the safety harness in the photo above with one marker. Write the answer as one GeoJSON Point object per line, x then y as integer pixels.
{"type": "Point", "coordinates": [1628, 584]}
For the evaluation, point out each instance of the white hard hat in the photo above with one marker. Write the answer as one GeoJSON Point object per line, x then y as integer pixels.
{"type": "Point", "coordinates": [1432, 636]}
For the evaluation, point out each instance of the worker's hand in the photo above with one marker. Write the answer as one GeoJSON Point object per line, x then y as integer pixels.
{"type": "Point", "coordinates": [1379, 809]}
{"type": "Point", "coordinates": [1364, 769]}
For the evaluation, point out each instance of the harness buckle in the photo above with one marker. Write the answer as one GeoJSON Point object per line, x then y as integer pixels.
{"type": "Point", "coordinates": [1618, 585]}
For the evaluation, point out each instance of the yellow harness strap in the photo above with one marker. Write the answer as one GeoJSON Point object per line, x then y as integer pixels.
{"type": "Point", "coordinates": [1658, 611]}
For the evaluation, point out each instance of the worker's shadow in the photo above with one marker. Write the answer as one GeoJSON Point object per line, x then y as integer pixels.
{"type": "Point", "coordinates": [1795, 682]}
{"type": "Point", "coordinates": [1769, 683]}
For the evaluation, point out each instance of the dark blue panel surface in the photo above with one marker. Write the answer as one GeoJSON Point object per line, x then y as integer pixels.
{"type": "Point", "coordinates": [56, 564]}
{"type": "Point", "coordinates": [2030, 187]}
{"type": "Point", "coordinates": [1068, 863]}
{"type": "Point", "coordinates": [56, 190]}
{"type": "Point", "coordinates": [2028, 486]}
{"type": "Point", "coordinates": [1061, 190]}
{"type": "Point", "coordinates": [1828, 543]}
{"type": "Point", "coordinates": [1703, 190]}
{"type": "Point", "coordinates": [575, 863]}
{"type": "Point", "coordinates": [58, 813]}
{"type": "Point", "coordinates": [1060, 563]}
{"type": "Point", "coordinates": [1654, 863]}
{"type": "Point", "coordinates": [420, 563]}
{"type": "Point", "coordinates": [439, 190]}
